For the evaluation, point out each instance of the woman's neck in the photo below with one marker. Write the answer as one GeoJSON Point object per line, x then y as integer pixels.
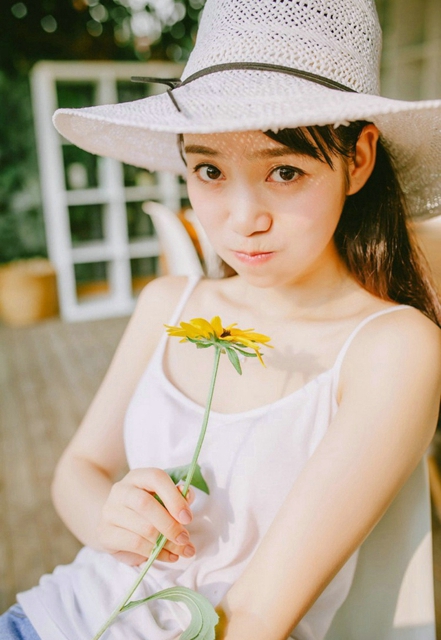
{"type": "Point", "coordinates": [311, 296]}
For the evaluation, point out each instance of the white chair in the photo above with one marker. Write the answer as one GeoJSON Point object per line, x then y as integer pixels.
{"type": "Point", "coordinates": [213, 264]}
{"type": "Point", "coordinates": [392, 594]}
{"type": "Point", "coordinates": [180, 255]}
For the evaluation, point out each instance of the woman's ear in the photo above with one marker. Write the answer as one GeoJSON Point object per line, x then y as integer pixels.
{"type": "Point", "coordinates": [363, 162]}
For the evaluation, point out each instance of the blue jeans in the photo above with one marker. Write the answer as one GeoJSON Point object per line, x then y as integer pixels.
{"type": "Point", "coordinates": [14, 625]}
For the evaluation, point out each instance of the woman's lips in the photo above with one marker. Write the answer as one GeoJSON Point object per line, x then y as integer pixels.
{"type": "Point", "coordinates": [254, 257]}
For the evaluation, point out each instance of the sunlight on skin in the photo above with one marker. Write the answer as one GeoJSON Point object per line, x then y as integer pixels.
{"type": "Point", "coordinates": [268, 211]}
{"type": "Point", "coordinates": [251, 209]}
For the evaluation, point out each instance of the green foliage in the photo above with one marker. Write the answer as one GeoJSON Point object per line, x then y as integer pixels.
{"type": "Point", "coordinates": [180, 473]}
{"type": "Point", "coordinates": [21, 219]}
{"type": "Point", "coordinates": [35, 30]}
{"type": "Point", "coordinates": [96, 30]}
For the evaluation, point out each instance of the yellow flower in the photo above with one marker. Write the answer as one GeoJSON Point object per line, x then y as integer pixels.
{"type": "Point", "coordinates": [205, 334]}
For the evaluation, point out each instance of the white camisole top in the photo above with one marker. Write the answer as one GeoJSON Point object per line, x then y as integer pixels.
{"type": "Point", "coordinates": [161, 430]}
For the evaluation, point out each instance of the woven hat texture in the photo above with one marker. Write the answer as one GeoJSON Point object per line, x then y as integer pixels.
{"type": "Point", "coordinates": [335, 40]}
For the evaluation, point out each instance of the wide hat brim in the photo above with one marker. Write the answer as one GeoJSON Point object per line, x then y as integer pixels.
{"type": "Point", "coordinates": [144, 132]}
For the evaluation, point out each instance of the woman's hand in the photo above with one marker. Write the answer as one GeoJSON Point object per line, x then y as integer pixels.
{"type": "Point", "coordinates": [132, 518]}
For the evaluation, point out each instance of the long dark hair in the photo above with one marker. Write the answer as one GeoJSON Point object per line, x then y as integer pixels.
{"type": "Point", "coordinates": [373, 235]}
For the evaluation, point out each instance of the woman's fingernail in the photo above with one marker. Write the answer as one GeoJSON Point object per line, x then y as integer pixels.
{"type": "Point", "coordinates": [185, 516]}
{"type": "Point", "coordinates": [189, 551]}
{"type": "Point", "coordinates": [173, 557]}
{"type": "Point", "coordinates": [182, 538]}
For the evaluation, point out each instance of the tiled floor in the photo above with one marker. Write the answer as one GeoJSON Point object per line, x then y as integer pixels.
{"type": "Point", "coordinates": [48, 376]}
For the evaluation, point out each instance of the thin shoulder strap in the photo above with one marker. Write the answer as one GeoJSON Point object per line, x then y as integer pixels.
{"type": "Point", "coordinates": [188, 290]}
{"type": "Point", "coordinates": [360, 326]}
{"type": "Point", "coordinates": [156, 359]}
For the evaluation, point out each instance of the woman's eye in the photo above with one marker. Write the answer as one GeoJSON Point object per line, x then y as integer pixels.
{"type": "Point", "coordinates": [208, 172]}
{"type": "Point", "coordinates": [285, 174]}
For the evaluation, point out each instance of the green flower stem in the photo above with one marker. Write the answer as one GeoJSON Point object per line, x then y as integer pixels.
{"type": "Point", "coordinates": [161, 539]}
{"type": "Point", "coordinates": [159, 545]}
{"type": "Point", "coordinates": [197, 451]}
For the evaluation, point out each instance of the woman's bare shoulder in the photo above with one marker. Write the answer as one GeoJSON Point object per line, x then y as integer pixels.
{"type": "Point", "coordinates": [405, 326]}
{"type": "Point", "coordinates": [154, 308]}
{"type": "Point", "coordinates": [159, 299]}
{"type": "Point", "coordinates": [392, 347]}
{"type": "Point", "coordinates": [163, 292]}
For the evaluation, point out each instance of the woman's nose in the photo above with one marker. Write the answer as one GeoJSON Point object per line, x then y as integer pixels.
{"type": "Point", "coordinates": [248, 215]}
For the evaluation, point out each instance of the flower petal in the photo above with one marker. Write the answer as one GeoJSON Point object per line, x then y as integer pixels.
{"type": "Point", "coordinates": [240, 340]}
{"type": "Point", "coordinates": [216, 323]}
{"type": "Point", "coordinates": [249, 333]}
{"type": "Point", "coordinates": [192, 331]}
{"type": "Point", "coordinates": [174, 331]}
{"type": "Point", "coordinates": [205, 328]}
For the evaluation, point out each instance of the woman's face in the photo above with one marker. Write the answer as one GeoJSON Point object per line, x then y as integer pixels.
{"type": "Point", "coordinates": [270, 213]}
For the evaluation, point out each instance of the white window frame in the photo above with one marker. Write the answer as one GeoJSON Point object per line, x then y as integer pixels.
{"type": "Point", "coordinates": [115, 249]}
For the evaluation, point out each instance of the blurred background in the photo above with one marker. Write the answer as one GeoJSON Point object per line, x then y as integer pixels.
{"type": "Point", "coordinates": [76, 244]}
{"type": "Point", "coordinates": [56, 201]}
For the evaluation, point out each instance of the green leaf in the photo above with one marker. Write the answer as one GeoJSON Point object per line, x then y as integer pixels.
{"type": "Point", "coordinates": [180, 473]}
{"type": "Point", "coordinates": [234, 359]}
{"type": "Point", "coordinates": [206, 341]}
{"type": "Point", "coordinates": [248, 354]}
{"type": "Point", "coordinates": [201, 343]}
{"type": "Point", "coordinates": [203, 616]}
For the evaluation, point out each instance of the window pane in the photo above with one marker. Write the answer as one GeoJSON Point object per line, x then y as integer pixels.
{"type": "Point", "coordinates": [80, 168]}
{"type": "Point", "coordinates": [75, 94]}
{"type": "Point", "coordinates": [128, 90]}
{"type": "Point", "coordinates": [139, 224]}
{"type": "Point", "coordinates": [136, 177]}
{"type": "Point", "coordinates": [86, 223]}
{"type": "Point", "coordinates": [143, 271]}
{"type": "Point", "coordinates": [92, 280]}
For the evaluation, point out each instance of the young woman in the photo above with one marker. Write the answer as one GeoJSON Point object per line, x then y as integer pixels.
{"type": "Point", "coordinates": [278, 123]}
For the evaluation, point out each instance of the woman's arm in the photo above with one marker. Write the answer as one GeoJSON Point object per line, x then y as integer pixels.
{"type": "Point", "coordinates": [390, 388]}
{"type": "Point", "coordinates": [84, 480]}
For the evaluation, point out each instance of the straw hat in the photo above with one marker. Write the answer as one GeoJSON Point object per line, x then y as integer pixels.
{"type": "Point", "coordinates": [271, 64]}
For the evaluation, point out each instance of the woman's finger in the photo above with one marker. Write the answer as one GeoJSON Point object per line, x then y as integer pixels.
{"type": "Point", "coordinates": [135, 523]}
{"type": "Point", "coordinates": [191, 494]}
{"type": "Point", "coordinates": [118, 539]}
{"type": "Point", "coordinates": [158, 481]}
{"type": "Point", "coordinates": [134, 560]}
{"type": "Point", "coordinates": [153, 514]}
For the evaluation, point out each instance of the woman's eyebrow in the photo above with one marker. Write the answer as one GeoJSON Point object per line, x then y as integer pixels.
{"type": "Point", "coordinates": [198, 149]}
{"type": "Point", "coordinates": [276, 152]}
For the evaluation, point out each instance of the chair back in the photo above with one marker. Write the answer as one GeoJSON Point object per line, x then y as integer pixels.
{"type": "Point", "coordinates": [180, 254]}
{"type": "Point", "coordinates": [392, 593]}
